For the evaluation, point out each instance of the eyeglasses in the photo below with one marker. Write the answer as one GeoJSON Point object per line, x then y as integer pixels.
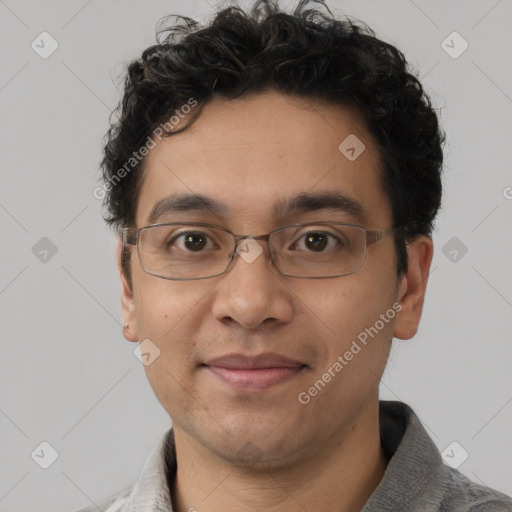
{"type": "Point", "coordinates": [312, 250]}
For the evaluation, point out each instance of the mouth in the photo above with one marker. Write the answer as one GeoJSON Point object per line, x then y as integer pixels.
{"type": "Point", "coordinates": [253, 374]}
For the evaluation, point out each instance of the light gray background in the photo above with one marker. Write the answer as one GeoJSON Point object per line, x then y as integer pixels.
{"type": "Point", "coordinates": [69, 378]}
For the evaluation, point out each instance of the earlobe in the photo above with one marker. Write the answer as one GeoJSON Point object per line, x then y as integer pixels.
{"type": "Point", "coordinates": [128, 310]}
{"type": "Point", "coordinates": [412, 288]}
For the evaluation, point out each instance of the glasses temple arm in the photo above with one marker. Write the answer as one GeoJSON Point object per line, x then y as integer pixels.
{"type": "Point", "coordinates": [129, 236]}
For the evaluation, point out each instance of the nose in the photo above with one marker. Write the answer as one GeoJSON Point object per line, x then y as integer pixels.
{"type": "Point", "coordinates": [252, 291]}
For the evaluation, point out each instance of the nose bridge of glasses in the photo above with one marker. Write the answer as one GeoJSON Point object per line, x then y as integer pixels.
{"type": "Point", "coordinates": [240, 239]}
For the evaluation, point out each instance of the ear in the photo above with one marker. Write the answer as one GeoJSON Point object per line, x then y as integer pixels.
{"type": "Point", "coordinates": [412, 287]}
{"type": "Point", "coordinates": [127, 301]}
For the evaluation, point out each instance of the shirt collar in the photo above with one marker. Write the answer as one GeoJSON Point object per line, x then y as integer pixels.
{"type": "Point", "coordinates": [411, 453]}
{"type": "Point", "coordinates": [151, 492]}
{"type": "Point", "coordinates": [412, 458]}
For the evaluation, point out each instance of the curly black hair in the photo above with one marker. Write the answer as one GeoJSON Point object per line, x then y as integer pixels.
{"type": "Point", "coordinates": [309, 53]}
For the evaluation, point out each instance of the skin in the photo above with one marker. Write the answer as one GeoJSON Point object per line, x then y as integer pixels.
{"type": "Point", "coordinates": [326, 455]}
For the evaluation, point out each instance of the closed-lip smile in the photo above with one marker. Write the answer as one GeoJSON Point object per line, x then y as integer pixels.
{"type": "Point", "coordinates": [253, 373]}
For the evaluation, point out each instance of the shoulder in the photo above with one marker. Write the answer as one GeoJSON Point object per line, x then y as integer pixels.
{"type": "Point", "coordinates": [417, 478]}
{"type": "Point", "coordinates": [151, 486]}
{"type": "Point", "coordinates": [464, 495]}
{"type": "Point", "coordinates": [114, 503]}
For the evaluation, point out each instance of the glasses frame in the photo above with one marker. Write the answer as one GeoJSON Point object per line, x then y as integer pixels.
{"type": "Point", "coordinates": [131, 236]}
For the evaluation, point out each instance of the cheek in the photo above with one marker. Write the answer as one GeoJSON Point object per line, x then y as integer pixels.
{"type": "Point", "coordinates": [355, 350]}
{"type": "Point", "coordinates": [162, 305]}
{"type": "Point", "coordinates": [168, 313]}
{"type": "Point", "coordinates": [352, 312]}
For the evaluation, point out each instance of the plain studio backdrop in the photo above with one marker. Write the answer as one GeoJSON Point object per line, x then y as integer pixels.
{"type": "Point", "coordinates": [68, 377]}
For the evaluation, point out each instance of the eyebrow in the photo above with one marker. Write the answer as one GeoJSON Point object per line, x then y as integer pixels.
{"type": "Point", "coordinates": [186, 203]}
{"type": "Point", "coordinates": [302, 203]}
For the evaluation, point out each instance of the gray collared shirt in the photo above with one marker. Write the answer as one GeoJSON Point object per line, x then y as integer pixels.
{"type": "Point", "coordinates": [415, 480]}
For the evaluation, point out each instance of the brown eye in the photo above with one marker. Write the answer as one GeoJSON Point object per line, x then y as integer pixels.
{"type": "Point", "coordinates": [190, 241]}
{"type": "Point", "coordinates": [195, 242]}
{"type": "Point", "coordinates": [316, 241]}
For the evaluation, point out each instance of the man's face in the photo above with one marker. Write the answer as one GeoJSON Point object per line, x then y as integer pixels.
{"type": "Point", "coordinates": [248, 154]}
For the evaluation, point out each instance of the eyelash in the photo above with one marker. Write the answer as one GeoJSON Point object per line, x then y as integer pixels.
{"type": "Point", "coordinates": [177, 236]}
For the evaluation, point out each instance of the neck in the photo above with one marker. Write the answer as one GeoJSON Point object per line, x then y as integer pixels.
{"type": "Point", "coordinates": [341, 476]}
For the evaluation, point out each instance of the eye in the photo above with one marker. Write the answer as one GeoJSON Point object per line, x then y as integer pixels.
{"type": "Point", "coordinates": [193, 241]}
{"type": "Point", "coordinates": [316, 241]}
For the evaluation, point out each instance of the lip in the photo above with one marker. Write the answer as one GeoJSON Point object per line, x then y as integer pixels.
{"type": "Point", "coordinates": [254, 373]}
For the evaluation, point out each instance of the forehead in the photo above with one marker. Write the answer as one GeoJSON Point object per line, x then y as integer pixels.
{"type": "Point", "coordinates": [252, 156]}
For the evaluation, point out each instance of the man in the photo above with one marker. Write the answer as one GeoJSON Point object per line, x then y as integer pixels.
{"type": "Point", "coordinates": [274, 180]}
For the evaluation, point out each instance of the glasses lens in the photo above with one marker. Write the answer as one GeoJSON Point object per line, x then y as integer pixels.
{"type": "Point", "coordinates": [185, 251]}
{"type": "Point", "coordinates": [319, 250]}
